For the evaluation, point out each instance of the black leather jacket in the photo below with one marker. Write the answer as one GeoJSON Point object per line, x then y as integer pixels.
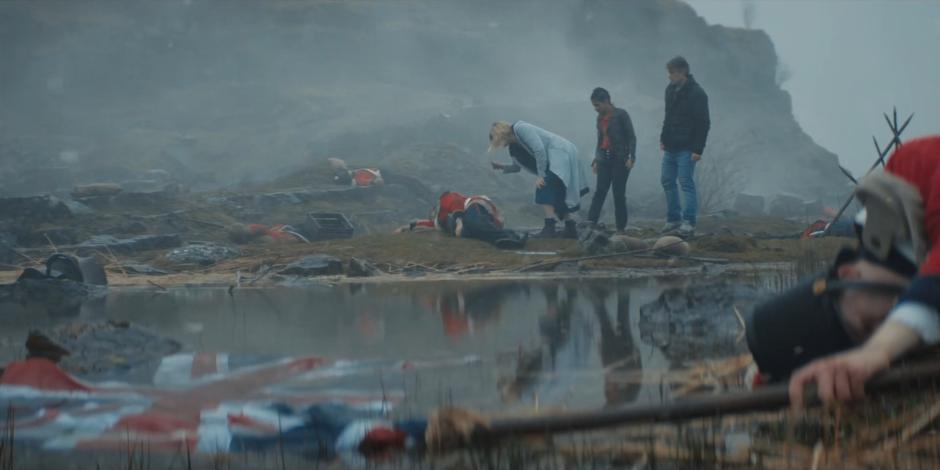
{"type": "Point", "coordinates": [686, 125]}
{"type": "Point", "coordinates": [622, 137]}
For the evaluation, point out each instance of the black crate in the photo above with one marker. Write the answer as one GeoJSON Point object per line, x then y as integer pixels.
{"type": "Point", "coordinates": [326, 226]}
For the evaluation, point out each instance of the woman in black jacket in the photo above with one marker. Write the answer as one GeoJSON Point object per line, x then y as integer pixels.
{"type": "Point", "coordinates": [614, 157]}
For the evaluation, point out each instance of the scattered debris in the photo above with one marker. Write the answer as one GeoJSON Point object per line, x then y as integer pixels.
{"type": "Point", "coordinates": [326, 226]}
{"type": "Point", "coordinates": [201, 253]}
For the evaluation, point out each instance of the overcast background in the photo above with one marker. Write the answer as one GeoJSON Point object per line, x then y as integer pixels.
{"type": "Point", "coordinates": [849, 61]}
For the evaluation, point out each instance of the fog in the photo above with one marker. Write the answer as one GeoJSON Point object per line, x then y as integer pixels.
{"type": "Point", "coordinates": [849, 61]}
{"type": "Point", "coordinates": [219, 93]}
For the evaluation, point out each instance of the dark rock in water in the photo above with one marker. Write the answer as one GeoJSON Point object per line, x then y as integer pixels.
{"type": "Point", "coordinates": [35, 208]}
{"type": "Point", "coordinates": [314, 265]}
{"type": "Point", "coordinates": [58, 297]}
{"type": "Point", "coordinates": [130, 245]}
{"type": "Point", "coordinates": [145, 269]}
{"type": "Point", "coordinates": [112, 350]}
{"type": "Point", "coordinates": [749, 204]}
{"type": "Point", "coordinates": [362, 268]}
{"type": "Point", "coordinates": [699, 321]}
{"type": "Point", "coordinates": [40, 345]}
{"type": "Point", "coordinates": [203, 254]}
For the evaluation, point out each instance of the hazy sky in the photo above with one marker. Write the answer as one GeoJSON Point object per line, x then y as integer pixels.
{"type": "Point", "coordinates": [851, 60]}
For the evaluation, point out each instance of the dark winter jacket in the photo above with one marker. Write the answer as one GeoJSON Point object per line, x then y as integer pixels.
{"type": "Point", "coordinates": [686, 125]}
{"type": "Point", "coordinates": [621, 135]}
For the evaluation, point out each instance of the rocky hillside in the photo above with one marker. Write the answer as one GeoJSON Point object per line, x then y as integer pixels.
{"type": "Point", "coordinates": [219, 93]}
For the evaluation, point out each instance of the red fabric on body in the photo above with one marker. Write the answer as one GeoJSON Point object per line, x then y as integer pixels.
{"type": "Point", "coordinates": [604, 124]}
{"type": "Point", "coordinates": [918, 163]}
{"type": "Point", "coordinates": [449, 203]}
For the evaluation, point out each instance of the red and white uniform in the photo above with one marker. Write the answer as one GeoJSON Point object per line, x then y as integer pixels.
{"type": "Point", "coordinates": [451, 202]}
{"type": "Point", "coordinates": [918, 163]}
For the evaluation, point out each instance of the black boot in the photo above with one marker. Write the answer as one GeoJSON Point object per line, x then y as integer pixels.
{"type": "Point", "coordinates": [571, 230]}
{"type": "Point", "coordinates": [548, 231]}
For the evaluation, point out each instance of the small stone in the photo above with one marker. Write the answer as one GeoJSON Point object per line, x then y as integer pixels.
{"type": "Point", "coordinates": [203, 254]}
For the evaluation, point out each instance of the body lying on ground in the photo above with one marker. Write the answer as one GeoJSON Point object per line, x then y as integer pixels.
{"type": "Point", "coordinates": [469, 217]}
{"type": "Point", "coordinates": [358, 177]}
{"type": "Point", "coordinates": [877, 303]}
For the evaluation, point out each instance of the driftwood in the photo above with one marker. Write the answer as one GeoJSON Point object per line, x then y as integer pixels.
{"type": "Point", "coordinates": [546, 264]}
{"type": "Point", "coordinates": [763, 399]}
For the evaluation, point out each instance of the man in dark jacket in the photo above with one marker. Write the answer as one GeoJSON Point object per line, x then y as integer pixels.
{"type": "Point", "coordinates": [614, 156]}
{"type": "Point", "coordinates": [685, 129]}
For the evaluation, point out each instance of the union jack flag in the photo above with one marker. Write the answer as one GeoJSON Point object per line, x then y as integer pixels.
{"type": "Point", "coordinates": [209, 403]}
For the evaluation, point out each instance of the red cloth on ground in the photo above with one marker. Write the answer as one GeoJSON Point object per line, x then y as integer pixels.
{"type": "Point", "coordinates": [42, 374]}
{"type": "Point", "coordinates": [918, 163]}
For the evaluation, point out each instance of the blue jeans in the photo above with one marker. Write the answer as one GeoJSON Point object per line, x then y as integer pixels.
{"type": "Point", "coordinates": [679, 165]}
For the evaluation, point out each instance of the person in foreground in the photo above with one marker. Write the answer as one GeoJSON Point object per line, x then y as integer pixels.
{"type": "Point", "coordinates": [560, 179]}
{"type": "Point", "coordinates": [900, 228]}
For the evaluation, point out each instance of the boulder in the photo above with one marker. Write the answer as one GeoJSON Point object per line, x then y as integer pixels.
{"type": "Point", "coordinates": [362, 268]}
{"type": "Point", "coordinates": [314, 265]}
{"type": "Point", "coordinates": [201, 253]}
{"type": "Point", "coordinates": [671, 246]}
{"type": "Point", "coordinates": [749, 204]}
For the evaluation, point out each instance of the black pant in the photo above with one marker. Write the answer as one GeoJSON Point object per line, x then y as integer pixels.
{"type": "Point", "coordinates": [478, 223]}
{"type": "Point", "coordinates": [611, 171]}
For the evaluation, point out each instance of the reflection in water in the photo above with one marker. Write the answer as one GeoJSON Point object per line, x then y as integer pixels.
{"type": "Point", "coordinates": [619, 354]}
{"type": "Point", "coordinates": [566, 343]}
